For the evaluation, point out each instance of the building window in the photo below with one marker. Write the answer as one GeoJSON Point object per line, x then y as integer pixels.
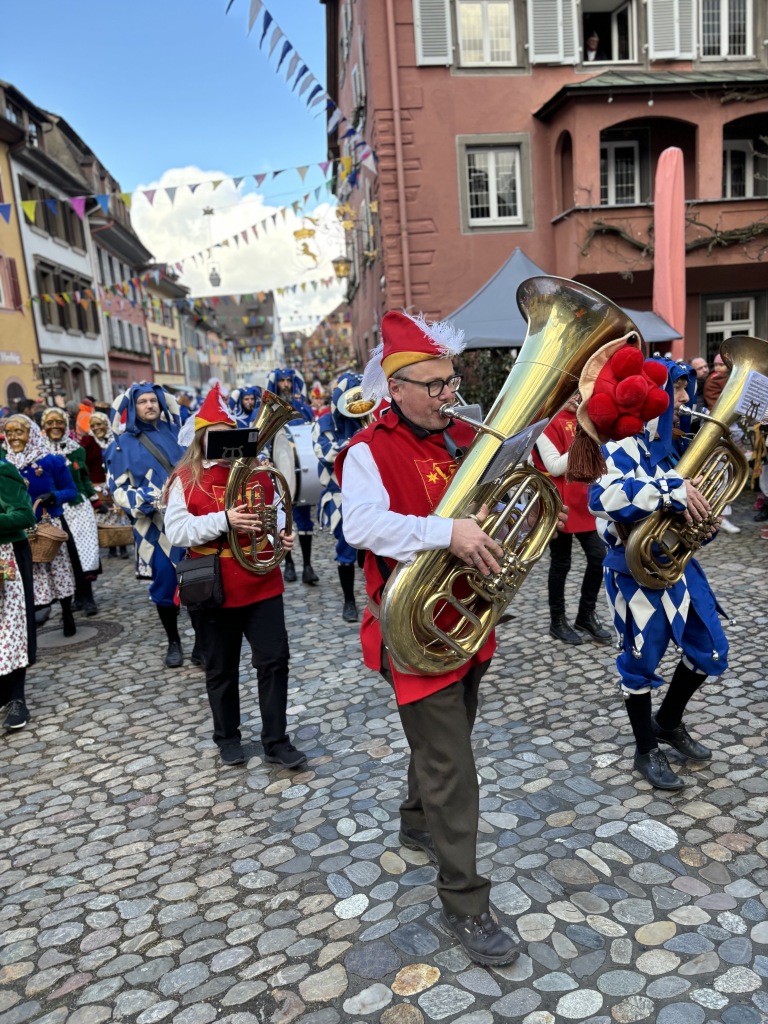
{"type": "Point", "coordinates": [10, 292]}
{"type": "Point", "coordinates": [727, 318]}
{"type": "Point", "coordinates": [493, 185]}
{"type": "Point", "coordinates": [13, 112]}
{"type": "Point", "coordinates": [619, 174]}
{"type": "Point", "coordinates": [613, 29]}
{"type": "Point", "coordinates": [745, 171]}
{"type": "Point", "coordinates": [726, 28]}
{"type": "Point", "coordinates": [486, 32]}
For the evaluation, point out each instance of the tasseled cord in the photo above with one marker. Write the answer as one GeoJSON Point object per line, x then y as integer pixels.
{"type": "Point", "coordinates": [585, 459]}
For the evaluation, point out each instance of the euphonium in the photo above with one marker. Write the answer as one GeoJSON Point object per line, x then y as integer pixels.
{"type": "Point", "coordinates": [355, 407]}
{"type": "Point", "coordinates": [660, 547]}
{"type": "Point", "coordinates": [567, 323]}
{"type": "Point", "coordinates": [244, 488]}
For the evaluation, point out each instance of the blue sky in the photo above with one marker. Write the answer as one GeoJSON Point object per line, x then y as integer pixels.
{"type": "Point", "coordinates": [156, 84]}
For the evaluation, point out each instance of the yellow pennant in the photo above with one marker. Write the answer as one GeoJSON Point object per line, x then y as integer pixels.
{"type": "Point", "coordinates": [126, 197]}
{"type": "Point", "coordinates": [29, 206]}
{"type": "Point", "coordinates": [346, 166]}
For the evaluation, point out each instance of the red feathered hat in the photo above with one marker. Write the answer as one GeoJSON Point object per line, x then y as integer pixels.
{"type": "Point", "coordinates": [214, 410]}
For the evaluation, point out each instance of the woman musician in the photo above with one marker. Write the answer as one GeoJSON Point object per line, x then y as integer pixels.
{"type": "Point", "coordinates": [196, 518]}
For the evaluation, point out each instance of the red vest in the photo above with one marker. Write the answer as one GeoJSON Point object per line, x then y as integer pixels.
{"type": "Point", "coordinates": [241, 587]}
{"type": "Point", "coordinates": [561, 432]}
{"type": "Point", "coordinates": [416, 473]}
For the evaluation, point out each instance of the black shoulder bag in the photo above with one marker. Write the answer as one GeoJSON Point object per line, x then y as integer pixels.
{"type": "Point", "coordinates": [200, 582]}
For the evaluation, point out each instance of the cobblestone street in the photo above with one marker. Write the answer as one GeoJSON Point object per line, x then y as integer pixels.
{"type": "Point", "coordinates": [141, 880]}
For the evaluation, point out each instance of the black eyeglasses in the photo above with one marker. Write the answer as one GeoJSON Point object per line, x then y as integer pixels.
{"type": "Point", "coordinates": [435, 387]}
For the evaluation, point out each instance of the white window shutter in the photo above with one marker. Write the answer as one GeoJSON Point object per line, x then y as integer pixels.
{"type": "Point", "coordinates": [552, 32]}
{"type": "Point", "coordinates": [663, 29]}
{"type": "Point", "coordinates": [432, 29]}
{"type": "Point", "coordinates": [687, 28]}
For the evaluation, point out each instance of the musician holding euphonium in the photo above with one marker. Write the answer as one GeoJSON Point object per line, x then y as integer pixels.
{"type": "Point", "coordinates": [393, 475]}
{"type": "Point", "coordinates": [199, 518]}
{"type": "Point", "coordinates": [632, 406]}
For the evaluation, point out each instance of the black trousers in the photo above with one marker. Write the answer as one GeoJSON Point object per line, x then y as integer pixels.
{"type": "Point", "coordinates": [219, 633]}
{"type": "Point", "coordinates": [560, 562]}
{"type": "Point", "coordinates": [23, 555]}
{"type": "Point", "coordinates": [443, 794]}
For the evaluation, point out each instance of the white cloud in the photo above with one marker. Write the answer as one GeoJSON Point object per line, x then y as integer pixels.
{"type": "Point", "coordinates": [174, 232]}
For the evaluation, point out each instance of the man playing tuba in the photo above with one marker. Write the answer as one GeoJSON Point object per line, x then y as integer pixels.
{"type": "Point", "coordinates": [393, 475]}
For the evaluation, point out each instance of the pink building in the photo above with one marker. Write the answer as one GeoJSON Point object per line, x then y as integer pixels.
{"type": "Point", "coordinates": [494, 128]}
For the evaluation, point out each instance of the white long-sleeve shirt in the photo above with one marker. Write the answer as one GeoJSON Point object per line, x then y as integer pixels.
{"type": "Point", "coordinates": [186, 530]}
{"type": "Point", "coordinates": [555, 463]}
{"type": "Point", "coordinates": [368, 521]}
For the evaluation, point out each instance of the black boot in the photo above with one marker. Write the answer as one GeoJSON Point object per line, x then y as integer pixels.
{"type": "Point", "coordinates": [308, 574]}
{"type": "Point", "coordinates": [67, 618]}
{"type": "Point", "coordinates": [561, 629]}
{"type": "Point", "coordinates": [654, 767]}
{"type": "Point", "coordinates": [347, 580]}
{"type": "Point", "coordinates": [169, 616]}
{"type": "Point", "coordinates": [88, 604]}
{"type": "Point", "coordinates": [289, 569]}
{"type": "Point", "coordinates": [482, 939]}
{"type": "Point", "coordinates": [588, 622]}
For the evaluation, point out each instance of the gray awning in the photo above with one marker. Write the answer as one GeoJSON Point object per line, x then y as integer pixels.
{"type": "Point", "coordinates": [491, 319]}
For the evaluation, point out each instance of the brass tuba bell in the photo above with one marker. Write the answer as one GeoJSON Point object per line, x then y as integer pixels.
{"type": "Point", "coordinates": [660, 547]}
{"type": "Point", "coordinates": [437, 612]}
{"type": "Point", "coordinates": [244, 487]}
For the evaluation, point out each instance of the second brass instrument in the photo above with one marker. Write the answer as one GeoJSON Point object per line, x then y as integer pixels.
{"type": "Point", "coordinates": [567, 324]}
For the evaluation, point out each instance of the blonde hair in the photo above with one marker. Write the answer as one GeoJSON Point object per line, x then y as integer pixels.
{"type": "Point", "coordinates": [189, 469]}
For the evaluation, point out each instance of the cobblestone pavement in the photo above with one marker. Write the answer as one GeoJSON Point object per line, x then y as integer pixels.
{"type": "Point", "coordinates": [143, 881]}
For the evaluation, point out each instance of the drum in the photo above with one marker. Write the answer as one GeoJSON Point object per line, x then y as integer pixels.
{"type": "Point", "coordinates": [294, 455]}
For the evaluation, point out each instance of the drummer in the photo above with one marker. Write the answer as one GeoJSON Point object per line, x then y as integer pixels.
{"type": "Point", "coordinates": [289, 385]}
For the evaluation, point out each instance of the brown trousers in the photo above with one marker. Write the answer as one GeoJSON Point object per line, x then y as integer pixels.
{"type": "Point", "coordinates": [443, 794]}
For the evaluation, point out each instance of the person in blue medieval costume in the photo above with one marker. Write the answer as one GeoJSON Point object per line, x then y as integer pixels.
{"type": "Point", "coordinates": [289, 385]}
{"type": "Point", "coordinates": [138, 463]}
{"type": "Point", "coordinates": [245, 403]}
{"type": "Point", "coordinates": [635, 404]}
{"type": "Point", "coordinates": [331, 433]}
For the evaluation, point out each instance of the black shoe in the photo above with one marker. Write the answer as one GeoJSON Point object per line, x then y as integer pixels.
{"type": "Point", "coordinates": [308, 575]}
{"type": "Point", "coordinates": [289, 571]}
{"type": "Point", "coordinates": [16, 715]}
{"type": "Point", "coordinates": [762, 514]}
{"type": "Point", "coordinates": [413, 839]}
{"type": "Point", "coordinates": [195, 659]}
{"type": "Point", "coordinates": [89, 607]}
{"type": "Point", "coordinates": [232, 753]}
{"type": "Point", "coordinates": [482, 938]}
{"type": "Point", "coordinates": [654, 767]}
{"type": "Point", "coordinates": [590, 623]}
{"type": "Point", "coordinates": [42, 614]}
{"type": "Point", "coordinates": [68, 622]}
{"type": "Point", "coordinates": [112, 553]}
{"type": "Point", "coordinates": [350, 611]}
{"type": "Point", "coordinates": [77, 604]}
{"type": "Point", "coordinates": [681, 740]}
{"type": "Point", "coordinates": [174, 658]}
{"type": "Point", "coordinates": [286, 755]}
{"type": "Point", "coordinates": [562, 630]}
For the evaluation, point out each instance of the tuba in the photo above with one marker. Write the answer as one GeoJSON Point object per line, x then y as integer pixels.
{"type": "Point", "coordinates": [352, 405]}
{"type": "Point", "coordinates": [660, 547]}
{"type": "Point", "coordinates": [437, 612]}
{"type": "Point", "coordinates": [244, 487]}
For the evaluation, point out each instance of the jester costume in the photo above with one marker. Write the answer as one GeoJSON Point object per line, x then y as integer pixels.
{"type": "Point", "coordinates": [302, 514]}
{"type": "Point", "coordinates": [244, 417]}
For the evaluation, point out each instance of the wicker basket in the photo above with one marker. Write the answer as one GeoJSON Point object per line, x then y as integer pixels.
{"type": "Point", "coordinates": [45, 539]}
{"type": "Point", "coordinates": [115, 536]}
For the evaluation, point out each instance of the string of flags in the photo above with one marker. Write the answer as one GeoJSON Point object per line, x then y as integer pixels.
{"type": "Point", "coordinates": [306, 86]}
{"type": "Point", "coordinates": [78, 203]}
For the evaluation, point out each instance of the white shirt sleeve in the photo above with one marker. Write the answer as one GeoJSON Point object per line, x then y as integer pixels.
{"type": "Point", "coordinates": [554, 463]}
{"type": "Point", "coordinates": [185, 530]}
{"type": "Point", "coordinates": [368, 521]}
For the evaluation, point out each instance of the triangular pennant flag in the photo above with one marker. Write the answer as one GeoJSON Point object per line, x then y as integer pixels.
{"type": "Point", "coordinates": [78, 205]}
{"type": "Point", "coordinates": [283, 212]}
{"type": "Point", "coordinates": [324, 167]}
{"type": "Point", "coordinates": [29, 206]}
{"type": "Point", "coordinates": [292, 64]}
{"type": "Point", "coordinates": [287, 47]}
{"type": "Point", "coordinates": [236, 182]}
{"type": "Point", "coordinates": [265, 27]}
{"type": "Point", "coordinates": [317, 191]}
{"type": "Point", "coordinates": [253, 14]}
{"type": "Point", "coordinates": [264, 224]}
{"type": "Point", "coordinates": [259, 179]}
{"type": "Point", "coordinates": [306, 83]}
{"type": "Point", "coordinates": [302, 71]}
{"type": "Point", "coordinates": [245, 236]}
{"type": "Point", "coordinates": [103, 202]}
{"type": "Point", "coordinates": [193, 187]}
{"type": "Point", "coordinates": [5, 212]}
{"type": "Point", "coordinates": [318, 88]}
{"type": "Point", "coordinates": [274, 218]}
{"type": "Point", "coordinates": [346, 166]}
{"type": "Point", "coordinates": [295, 207]}
{"type": "Point", "coordinates": [255, 231]}
{"type": "Point", "coordinates": [316, 100]}
{"type": "Point", "coordinates": [275, 174]}
{"type": "Point", "coordinates": [149, 195]}
{"type": "Point", "coordinates": [277, 35]}
{"type": "Point", "coordinates": [171, 192]}
{"type": "Point", "coordinates": [334, 120]}
{"type": "Point", "coordinates": [53, 205]}
{"type": "Point", "coordinates": [127, 199]}
{"type": "Point", "coordinates": [302, 171]}
{"type": "Point", "coordinates": [180, 267]}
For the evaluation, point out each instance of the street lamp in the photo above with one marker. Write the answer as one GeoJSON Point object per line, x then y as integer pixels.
{"type": "Point", "coordinates": [214, 277]}
{"type": "Point", "coordinates": [342, 267]}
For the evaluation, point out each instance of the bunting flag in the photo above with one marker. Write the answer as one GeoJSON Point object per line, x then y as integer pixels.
{"type": "Point", "coordinates": [29, 206]}
{"type": "Point", "coordinates": [78, 205]}
{"type": "Point", "coordinates": [103, 202]}
{"type": "Point", "coordinates": [5, 212]}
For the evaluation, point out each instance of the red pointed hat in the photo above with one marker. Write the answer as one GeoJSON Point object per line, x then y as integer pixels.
{"type": "Point", "coordinates": [406, 340]}
{"type": "Point", "coordinates": [214, 410]}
